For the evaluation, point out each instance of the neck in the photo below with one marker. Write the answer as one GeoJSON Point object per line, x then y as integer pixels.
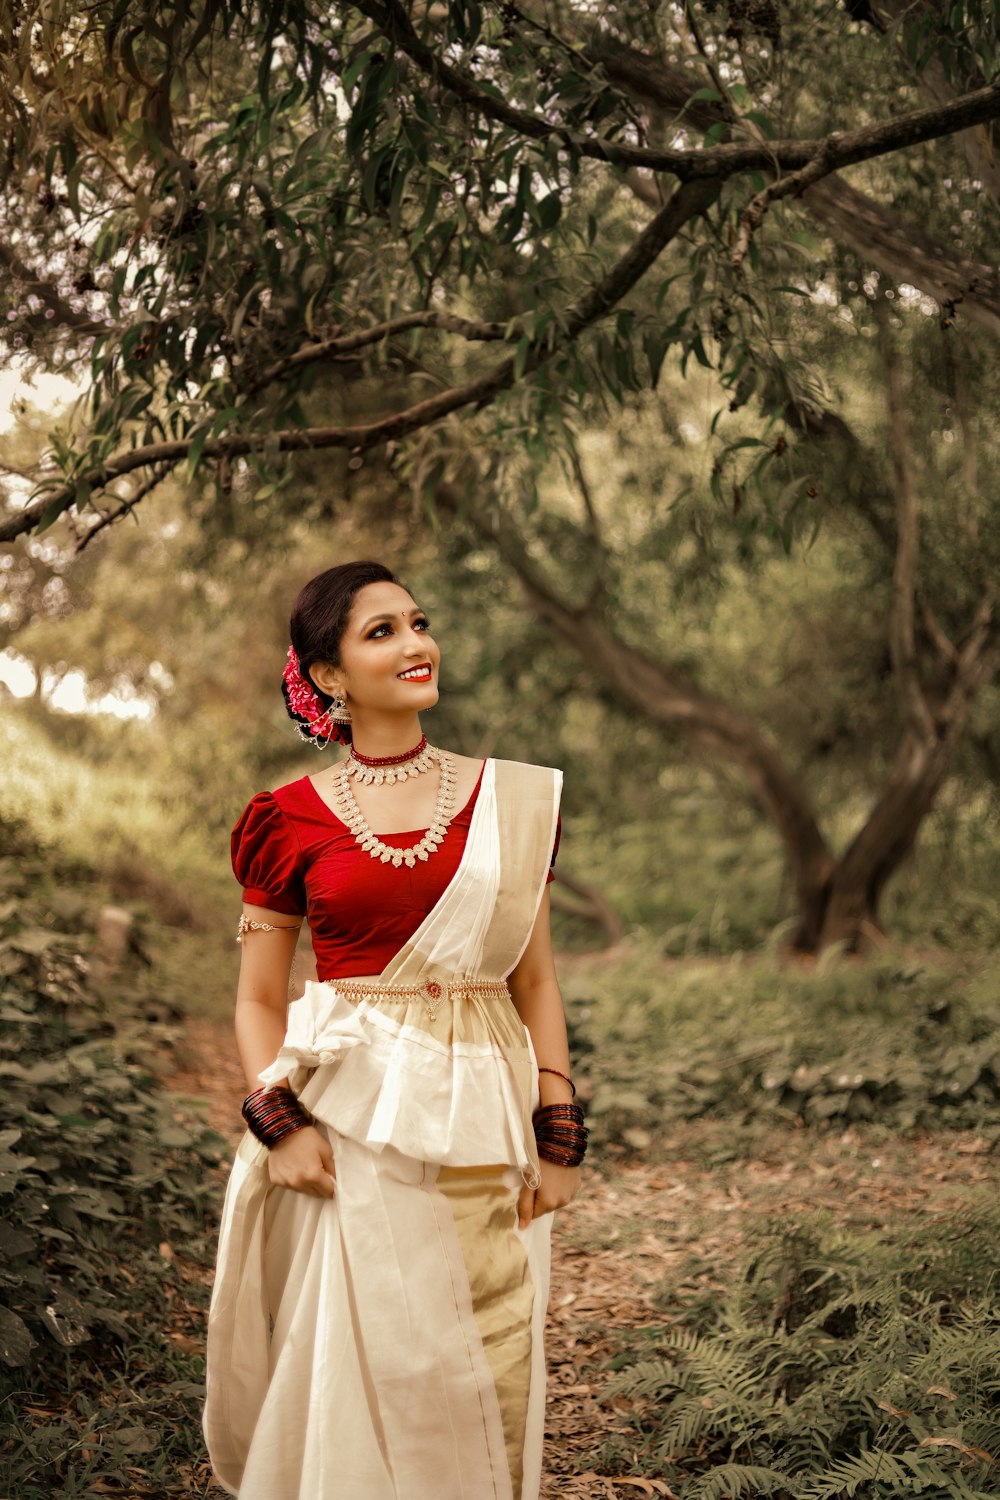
{"type": "Point", "coordinates": [385, 735]}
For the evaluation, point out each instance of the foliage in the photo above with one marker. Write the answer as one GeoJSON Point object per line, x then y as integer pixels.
{"type": "Point", "coordinates": [891, 1041]}
{"type": "Point", "coordinates": [109, 1202]}
{"type": "Point", "coordinates": [837, 1363]}
{"type": "Point", "coordinates": [298, 221]}
{"type": "Point", "coordinates": [215, 200]}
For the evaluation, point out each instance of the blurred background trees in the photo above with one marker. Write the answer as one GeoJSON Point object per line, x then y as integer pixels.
{"type": "Point", "coordinates": [718, 507]}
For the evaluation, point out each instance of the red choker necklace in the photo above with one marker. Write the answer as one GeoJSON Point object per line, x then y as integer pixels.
{"type": "Point", "coordinates": [389, 760]}
{"type": "Point", "coordinates": [373, 770]}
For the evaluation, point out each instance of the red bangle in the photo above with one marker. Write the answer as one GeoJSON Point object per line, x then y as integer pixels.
{"type": "Point", "coordinates": [271, 1114]}
{"type": "Point", "coordinates": [562, 1076]}
{"type": "Point", "coordinates": [560, 1134]}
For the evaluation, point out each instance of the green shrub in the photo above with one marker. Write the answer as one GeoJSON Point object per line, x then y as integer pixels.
{"type": "Point", "coordinates": [883, 1040]}
{"type": "Point", "coordinates": [837, 1364]}
{"type": "Point", "coordinates": [109, 1207]}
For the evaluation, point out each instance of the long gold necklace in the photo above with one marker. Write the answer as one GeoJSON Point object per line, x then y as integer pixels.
{"type": "Point", "coordinates": [351, 814]}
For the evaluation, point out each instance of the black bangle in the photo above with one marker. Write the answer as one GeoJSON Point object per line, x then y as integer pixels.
{"type": "Point", "coordinates": [271, 1114]}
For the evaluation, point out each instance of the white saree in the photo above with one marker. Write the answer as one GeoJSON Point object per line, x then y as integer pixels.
{"type": "Point", "coordinates": [386, 1344]}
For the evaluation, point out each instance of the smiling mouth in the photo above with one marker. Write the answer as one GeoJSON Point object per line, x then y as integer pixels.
{"type": "Point", "coordinates": [416, 674]}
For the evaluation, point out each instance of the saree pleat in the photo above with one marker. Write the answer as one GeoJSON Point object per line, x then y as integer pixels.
{"type": "Point", "coordinates": [386, 1344]}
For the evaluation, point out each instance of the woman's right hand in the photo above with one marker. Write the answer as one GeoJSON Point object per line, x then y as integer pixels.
{"type": "Point", "coordinates": [303, 1161]}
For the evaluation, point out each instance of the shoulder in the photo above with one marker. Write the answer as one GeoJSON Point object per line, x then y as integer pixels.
{"type": "Point", "coordinates": [280, 801]}
{"type": "Point", "coordinates": [271, 813]}
{"type": "Point", "coordinates": [524, 766]}
{"type": "Point", "coordinates": [289, 792]}
{"type": "Point", "coordinates": [464, 762]}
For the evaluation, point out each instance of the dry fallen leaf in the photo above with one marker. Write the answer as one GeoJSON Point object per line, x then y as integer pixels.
{"type": "Point", "coordinates": [954, 1442]}
{"type": "Point", "coordinates": [894, 1411]}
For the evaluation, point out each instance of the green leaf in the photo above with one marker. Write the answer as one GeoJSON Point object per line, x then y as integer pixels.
{"type": "Point", "coordinates": [53, 513]}
{"type": "Point", "coordinates": [763, 121]}
{"type": "Point", "coordinates": [548, 211]}
{"type": "Point", "coordinates": [194, 452]}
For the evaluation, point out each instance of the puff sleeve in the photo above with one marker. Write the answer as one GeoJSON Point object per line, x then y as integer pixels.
{"type": "Point", "coordinates": [555, 850]}
{"type": "Point", "coordinates": [267, 859]}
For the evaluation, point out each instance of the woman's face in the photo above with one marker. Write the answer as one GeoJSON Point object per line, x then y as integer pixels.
{"type": "Point", "coordinates": [389, 660]}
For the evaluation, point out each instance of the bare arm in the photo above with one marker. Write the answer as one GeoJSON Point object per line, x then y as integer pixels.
{"type": "Point", "coordinates": [535, 992]}
{"type": "Point", "coordinates": [302, 1161]}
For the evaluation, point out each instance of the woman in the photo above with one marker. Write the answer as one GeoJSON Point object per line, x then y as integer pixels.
{"type": "Point", "coordinates": [376, 1323]}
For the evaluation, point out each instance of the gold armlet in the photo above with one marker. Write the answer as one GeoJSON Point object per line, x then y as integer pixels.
{"type": "Point", "coordinates": [247, 924]}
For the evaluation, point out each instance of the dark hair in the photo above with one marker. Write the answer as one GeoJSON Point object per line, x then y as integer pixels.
{"type": "Point", "coordinates": [319, 619]}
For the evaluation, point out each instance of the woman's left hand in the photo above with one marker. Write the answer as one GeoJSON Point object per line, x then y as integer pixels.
{"type": "Point", "coordinates": [559, 1186]}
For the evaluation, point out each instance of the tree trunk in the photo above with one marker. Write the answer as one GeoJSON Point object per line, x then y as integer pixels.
{"type": "Point", "coordinates": [837, 900]}
{"type": "Point", "coordinates": [846, 909]}
{"type": "Point", "coordinates": [593, 906]}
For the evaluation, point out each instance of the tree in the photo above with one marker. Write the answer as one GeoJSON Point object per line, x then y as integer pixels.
{"type": "Point", "coordinates": [218, 204]}
{"type": "Point", "coordinates": [937, 634]}
{"type": "Point", "coordinates": [394, 189]}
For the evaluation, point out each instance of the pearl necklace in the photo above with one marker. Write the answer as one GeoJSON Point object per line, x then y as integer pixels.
{"type": "Point", "coordinates": [390, 768]}
{"type": "Point", "coordinates": [351, 814]}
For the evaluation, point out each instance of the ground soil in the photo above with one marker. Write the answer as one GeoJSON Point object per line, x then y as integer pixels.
{"type": "Point", "coordinates": [637, 1222]}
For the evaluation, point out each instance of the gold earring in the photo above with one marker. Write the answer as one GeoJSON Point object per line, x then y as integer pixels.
{"type": "Point", "coordinates": [338, 710]}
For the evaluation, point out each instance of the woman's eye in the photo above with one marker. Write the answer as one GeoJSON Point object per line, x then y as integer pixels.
{"type": "Point", "coordinates": [421, 624]}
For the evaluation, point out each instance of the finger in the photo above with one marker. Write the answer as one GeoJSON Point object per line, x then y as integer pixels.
{"type": "Point", "coordinates": [525, 1207]}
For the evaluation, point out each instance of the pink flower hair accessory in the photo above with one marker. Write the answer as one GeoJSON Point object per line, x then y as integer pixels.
{"type": "Point", "coordinates": [329, 724]}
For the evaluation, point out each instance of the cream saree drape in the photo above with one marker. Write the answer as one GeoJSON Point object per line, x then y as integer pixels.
{"type": "Point", "coordinates": [386, 1344]}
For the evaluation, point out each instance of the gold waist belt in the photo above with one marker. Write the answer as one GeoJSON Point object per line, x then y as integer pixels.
{"type": "Point", "coordinates": [432, 993]}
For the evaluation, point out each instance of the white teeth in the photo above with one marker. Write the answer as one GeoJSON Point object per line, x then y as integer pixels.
{"type": "Point", "coordinates": [415, 674]}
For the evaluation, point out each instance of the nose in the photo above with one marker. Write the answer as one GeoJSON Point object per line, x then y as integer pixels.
{"type": "Point", "coordinates": [415, 643]}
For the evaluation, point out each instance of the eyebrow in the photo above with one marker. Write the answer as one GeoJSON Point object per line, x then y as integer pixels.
{"type": "Point", "coordinates": [376, 619]}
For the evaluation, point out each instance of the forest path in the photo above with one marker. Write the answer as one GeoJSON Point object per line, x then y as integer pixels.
{"type": "Point", "coordinates": [633, 1224]}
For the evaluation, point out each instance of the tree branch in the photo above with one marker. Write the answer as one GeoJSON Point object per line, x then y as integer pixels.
{"type": "Point", "coordinates": [902, 642]}
{"type": "Point", "coordinates": [846, 148]}
{"type": "Point", "coordinates": [340, 345]}
{"type": "Point", "coordinates": [975, 663]}
{"type": "Point", "coordinates": [906, 18]}
{"type": "Point", "coordinates": [782, 187]}
{"type": "Point", "coordinates": [688, 200]}
{"type": "Point", "coordinates": [594, 527]}
{"type": "Point", "coordinates": [716, 77]}
{"type": "Point", "coordinates": [906, 252]}
{"type": "Point", "coordinates": [873, 231]}
{"type": "Point", "coordinates": [658, 693]}
{"type": "Point", "coordinates": [595, 908]}
{"type": "Point", "coordinates": [127, 505]}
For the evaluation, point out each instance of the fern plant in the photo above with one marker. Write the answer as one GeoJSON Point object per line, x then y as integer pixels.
{"type": "Point", "coordinates": [838, 1364]}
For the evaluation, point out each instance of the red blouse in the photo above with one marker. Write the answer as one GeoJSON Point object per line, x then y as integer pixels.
{"type": "Point", "coordinates": [292, 854]}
